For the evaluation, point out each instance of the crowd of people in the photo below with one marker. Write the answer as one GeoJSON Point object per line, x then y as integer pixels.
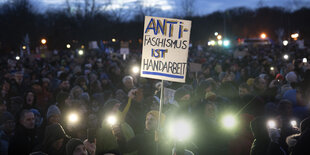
{"type": "Point", "coordinates": [256, 84]}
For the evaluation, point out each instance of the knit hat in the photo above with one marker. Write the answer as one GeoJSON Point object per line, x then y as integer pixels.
{"type": "Point", "coordinates": [291, 77]}
{"type": "Point", "coordinates": [72, 144]}
{"type": "Point", "coordinates": [180, 92]}
{"type": "Point", "coordinates": [35, 112]}
{"type": "Point", "coordinates": [279, 77]}
{"type": "Point", "coordinates": [46, 80]}
{"type": "Point", "coordinates": [109, 104]}
{"type": "Point", "coordinates": [6, 116]}
{"type": "Point", "coordinates": [52, 110]}
{"type": "Point", "coordinates": [250, 81]}
{"type": "Point", "coordinates": [85, 97]}
{"type": "Point", "coordinates": [52, 133]}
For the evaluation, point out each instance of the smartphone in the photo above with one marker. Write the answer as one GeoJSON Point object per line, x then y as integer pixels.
{"type": "Point", "coordinates": [91, 134]}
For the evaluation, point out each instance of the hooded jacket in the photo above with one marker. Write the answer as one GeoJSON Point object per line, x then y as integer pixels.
{"type": "Point", "coordinates": [53, 133]}
{"type": "Point", "coordinates": [106, 141]}
{"type": "Point", "coordinates": [262, 144]}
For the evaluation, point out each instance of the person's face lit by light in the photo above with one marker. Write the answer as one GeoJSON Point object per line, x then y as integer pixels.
{"type": "Point", "coordinates": [151, 123]}
{"type": "Point", "coordinates": [243, 91]}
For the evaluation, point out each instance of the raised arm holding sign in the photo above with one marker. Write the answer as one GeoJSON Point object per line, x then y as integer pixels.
{"type": "Point", "coordinates": [165, 52]}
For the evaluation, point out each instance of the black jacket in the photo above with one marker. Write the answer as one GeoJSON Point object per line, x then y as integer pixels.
{"type": "Point", "coordinates": [144, 144]}
{"type": "Point", "coordinates": [23, 142]}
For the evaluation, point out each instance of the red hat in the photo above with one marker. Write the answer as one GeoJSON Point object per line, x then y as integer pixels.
{"type": "Point", "coordinates": [279, 77]}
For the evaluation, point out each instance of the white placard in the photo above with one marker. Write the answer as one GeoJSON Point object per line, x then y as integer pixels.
{"type": "Point", "coordinates": [195, 67]}
{"type": "Point", "coordinates": [124, 51]}
{"type": "Point", "coordinates": [93, 45]}
{"type": "Point", "coordinates": [169, 95]}
{"type": "Point", "coordinates": [165, 48]}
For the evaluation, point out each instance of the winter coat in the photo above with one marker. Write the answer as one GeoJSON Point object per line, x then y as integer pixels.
{"type": "Point", "coordinates": [106, 141]}
{"type": "Point", "coordinates": [23, 142]}
{"type": "Point", "coordinates": [302, 145]}
{"type": "Point", "coordinates": [53, 133]}
{"type": "Point", "coordinates": [4, 142]}
{"type": "Point", "coordinates": [144, 144]}
{"type": "Point", "coordinates": [262, 144]}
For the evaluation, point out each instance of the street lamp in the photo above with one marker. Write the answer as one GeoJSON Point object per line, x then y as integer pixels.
{"type": "Point", "coordinates": [24, 47]}
{"type": "Point", "coordinates": [226, 43]}
{"type": "Point", "coordinates": [113, 40]}
{"type": "Point", "coordinates": [295, 36]}
{"type": "Point", "coordinates": [219, 37]}
{"type": "Point", "coordinates": [220, 42]}
{"type": "Point", "coordinates": [285, 42]}
{"type": "Point", "coordinates": [216, 33]}
{"type": "Point", "coordinates": [43, 41]}
{"type": "Point", "coordinates": [263, 36]}
{"type": "Point", "coordinates": [17, 58]}
{"type": "Point", "coordinates": [68, 46]}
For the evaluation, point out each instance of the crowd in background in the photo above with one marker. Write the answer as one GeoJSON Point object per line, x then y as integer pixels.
{"type": "Point", "coordinates": [255, 83]}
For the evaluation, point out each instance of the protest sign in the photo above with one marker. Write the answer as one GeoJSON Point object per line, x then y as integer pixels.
{"type": "Point", "coordinates": [194, 67]}
{"type": "Point", "coordinates": [93, 45]}
{"type": "Point", "coordinates": [168, 95]}
{"type": "Point", "coordinates": [124, 47]}
{"type": "Point", "coordinates": [165, 48]}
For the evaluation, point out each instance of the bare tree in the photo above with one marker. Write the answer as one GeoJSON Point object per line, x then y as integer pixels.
{"type": "Point", "coordinates": [90, 7]}
{"type": "Point", "coordinates": [260, 3]}
{"type": "Point", "coordinates": [300, 3]}
{"type": "Point", "coordinates": [145, 10]}
{"type": "Point", "coordinates": [188, 8]}
{"type": "Point", "coordinates": [120, 14]}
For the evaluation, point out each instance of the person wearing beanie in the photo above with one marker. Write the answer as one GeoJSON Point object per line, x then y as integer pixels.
{"type": "Point", "coordinates": [7, 126]}
{"type": "Point", "coordinates": [144, 143]}
{"type": "Point", "coordinates": [74, 145]}
{"type": "Point", "coordinates": [77, 147]}
{"type": "Point", "coordinates": [106, 142]}
{"type": "Point", "coordinates": [279, 77]}
{"type": "Point", "coordinates": [181, 93]}
{"type": "Point", "coordinates": [182, 98]}
{"type": "Point", "coordinates": [55, 139]}
{"type": "Point", "coordinates": [250, 82]}
{"type": "Point", "coordinates": [128, 83]}
{"type": "Point", "coordinates": [53, 114]}
{"type": "Point", "coordinates": [291, 77]}
{"type": "Point", "coordinates": [38, 117]}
